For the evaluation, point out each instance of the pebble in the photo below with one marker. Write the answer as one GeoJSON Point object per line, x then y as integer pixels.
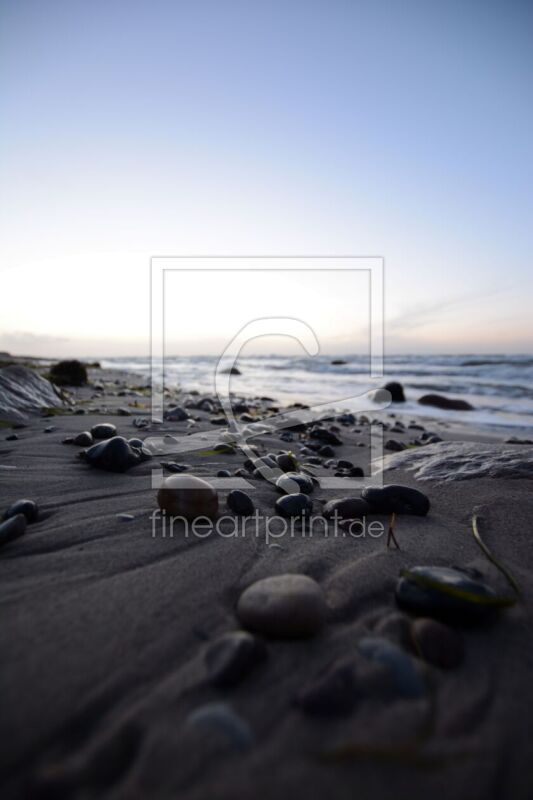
{"type": "Point", "coordinates": [346, 508]}
{"type": "Point", "coordinates": [404, 678]}
{"type": "Point", "coordinates": [136, 443]}
{"type": "Point", "coordinates": [438, 644]}
{"type": "Point", "coordinates": [123, 412]}
{"type": "Point", "coordinates": [240, 503]}
{"type": "Point", "coordinates": [188, 496]}
{"type": "Point", "coordinates": [447, 593]}
{"type": "Point", "coordinates": [397, 499]}
{"type": "Point", "coordinates": [439, 401]}
{"type": "Point", "coordinates": [223, 473]}
{"type": "Point", "coordinates": [29, 508]}
{"type": "Point", "coordinates": [283, 606]}
{"type": "Point", "coordinates": [294, 505]}
{"type": "Point", "coordinates": [396, 391]}
{"type": "Point", "coordinates": [83, 439]}
{"type": "Point", "coordinates": [113, 455]}
{"type": "Point", "coordinates": [50, 429]}
{"type": "Point", "coordinates": [221, 719]}
{"type": "Point", "coordinates": [333, 693]}
{"type": "Point", "coordinates": [177, 414]}
{"type": "Point", "coordinates": [287, 462]}
{"type": "Point", "coordinates": [104, 430]}
{"type": "Point", "coordinates": [173, 466]}
{"type": "Point", "coordinates": [232, 656]}
{"type": "Point", "coordinates": [327, 451]}
{"type": "Point", "coordinates": [395, 626]}
{"type": "Point", "coordinates": [394, 445]}
{"type": "Point", "coordinates": [12, 528]}
{"type": "Point", "coordinates": [325, 436]}
{"type": "Point", "coordinates": [12, 437]}
{"type": "Point", "coordinates": [293, 482]}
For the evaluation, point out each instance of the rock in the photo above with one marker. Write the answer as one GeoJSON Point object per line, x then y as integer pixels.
{"type": "Point", "coordinates": [220, 719]}
{"type": "Point", "coordinates": [223, 473]}
{"type": "Point", "coordinates": [457, 461]}
{"type": "Point", "coordinates": [287, 462]}
{"type": "Point", "coordinates": [327, 451]}
{"type": "Point", "coordinates": [138, 443]}
{"type": "Point", "coordinates": [342, 463]}
{"type": "Point", "coordinates": [325, 436]}
{"type": "Point", "coordinates": [283, 606]}
{"type": "Point", "coordinates": [12, 528]}
{"type": "Point", "coordinates": [123, 412]}
{"type": "Point", "coordinates": [232, 656]}
{"type": "Point", "coordinates": [23, 391]}
{"type": "Point", "coordinates": [437, 644]}
{"type": "Point", "coordinates": [29, 508]}
{"type": "Point", "coordinates": [113, 455]}
{"type": "Point", "coordinates": [346, 508]}
{"type": "Point", "coordinates": [105, 430]}
{"type": "Point", "coordinates": [394, 445]}
{"type": "Point", "coordinates": [333, 693]}
{"type": "Point", "coordinates": [69, 373]}
{"type": "Point", "coordinates": [173, 466]}
{"type": "Point", "coordinates": [224, 449]}
{"type": "Point", "coordinates": [396, 392]}
{"type": "Point", "coordinates": [240, 503]}
{"type": "Point", "coordinates": [294, 505]}
{"type": "Point", "coordinates": [188, 496]}
{"type": "Point", "coordinates": [218, 421]}
{"type": "Point", "coordinates": [404, 679]}
{"type": "Point", "coordinates": [337, 362]}
{"type": "Point", "coordinates": [397, 627]}
{"type": "Point", "coordinates": [439, 401]}
{"type": "Point", "coordinates": [294, 482]}
{"type": "Point", "coordinates": [231, 371]}
{"type": "Point", "coordinates": [449, 594]}
{"type": "Point", "coordinates": [286, 436]}
{"type": "Point", "coordinates": [177, 414]}
{"type": "Point", "coordinates": [396, 498]}
{"type": "Point", "coordinates": [13, 437]}
{"type": "Point", "coordinates": [516, 440]}
{"type": "Point", "coordinates": [83, 439]}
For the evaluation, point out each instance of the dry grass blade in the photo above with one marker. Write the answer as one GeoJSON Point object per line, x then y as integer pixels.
{"type": "Point", "coordinates": [505, 572]}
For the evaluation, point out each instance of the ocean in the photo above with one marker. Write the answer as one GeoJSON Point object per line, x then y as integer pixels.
{"type": "Point", "coordinates": [499, 387]}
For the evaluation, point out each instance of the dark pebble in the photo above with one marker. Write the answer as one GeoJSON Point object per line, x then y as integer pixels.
{"type": "Point", "coordinates": [438, 644]}
{"type": "Point", "coordinates": [292, 482]}
{"type": "Point", "coordinates": [287, 462]}
{"type": "Point", "coordinates": [104, 430]}
{"type": "Point", "coordinates": [232, 656]}
{"type": "Point", "coordinates": [12, 528]}
{"type": "Point", "coordinates": [449, 594]}
{"type": "Point", "coordinates": [394, 446]}
{"type": "Point", "coordinates": [327, 451]}
{"type": "Point", "coordinates": [12, 437]}
{"type": "Point", "coordinates": [294, 505]}
{"type": "Point", "coordinates": [396, 391]}
{"type": "Point", "coordinates": [113, 455]}
{"type": "Point", "coordinates": [346, 508]}
{"type": "Point", "coordinates": [240, 503]}
{"type": "Point", "coordinates": [325, 436]}
{"type": "Point", "coordinates": [397, 499]}
{"type": "Point", "coordinates": [223, 473]}
{"type": "Point", "coordinates": [83, 439]}
{"type": "Point", "coordinates": [29, 508]}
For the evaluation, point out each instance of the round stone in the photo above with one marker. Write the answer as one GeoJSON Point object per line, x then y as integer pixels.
{"type": "Point", "coordinates": [188, 496]}
{"type": "Point", "coordinates": [232, 656]}
{"type": "Point", "coordinates": [396, 498]}
{"type": "Point", "coordinates": [437, 644]}
{"type": "Point", "coordinates": [104, 430]}
{"type": "Point", "coordinates": [346, 508]}
{"type": "Point", "coordinates": [12, 528]}
{"type": "Point", "coordinates": [294, 505]}
{"type": "Point", "coordinates": [396, 392]}
{"type": "Point", "coordinates": [27, 507]}
{"type": "Point", "coordinates": [219, 720]}
{"type": "Point", "coordinates": [113, 455]}
{"type": "Point", "coordinates": [449, 594]}
{"type": "Point", "coordinates": [283, 606]}
{"type": "Point", "coordinates": [294, 482]}
{"type": "Point", "coordinates": [287, 462]}
{"type": "Point", "coordinates": [241, 503]}
{"type": "Point", "coordinates": [83, 439]}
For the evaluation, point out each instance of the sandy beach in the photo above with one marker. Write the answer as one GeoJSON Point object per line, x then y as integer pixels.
{"type": "Point", "coordinates": [107, 622]}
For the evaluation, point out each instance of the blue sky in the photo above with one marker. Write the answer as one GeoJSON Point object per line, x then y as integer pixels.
{"type": "Point", "coordinates": [395, 128]}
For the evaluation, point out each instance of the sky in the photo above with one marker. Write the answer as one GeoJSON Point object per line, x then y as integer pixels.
{"type": "Point", "coordinates": [218, 127]}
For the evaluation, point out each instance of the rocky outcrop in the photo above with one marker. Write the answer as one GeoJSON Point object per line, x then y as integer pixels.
{"type": "Point", "coordinates": [440, 401]}
{"type": "Point", "coordinates": [22, 391]}
{"type": "Point", "coordinates": [459, 461]}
